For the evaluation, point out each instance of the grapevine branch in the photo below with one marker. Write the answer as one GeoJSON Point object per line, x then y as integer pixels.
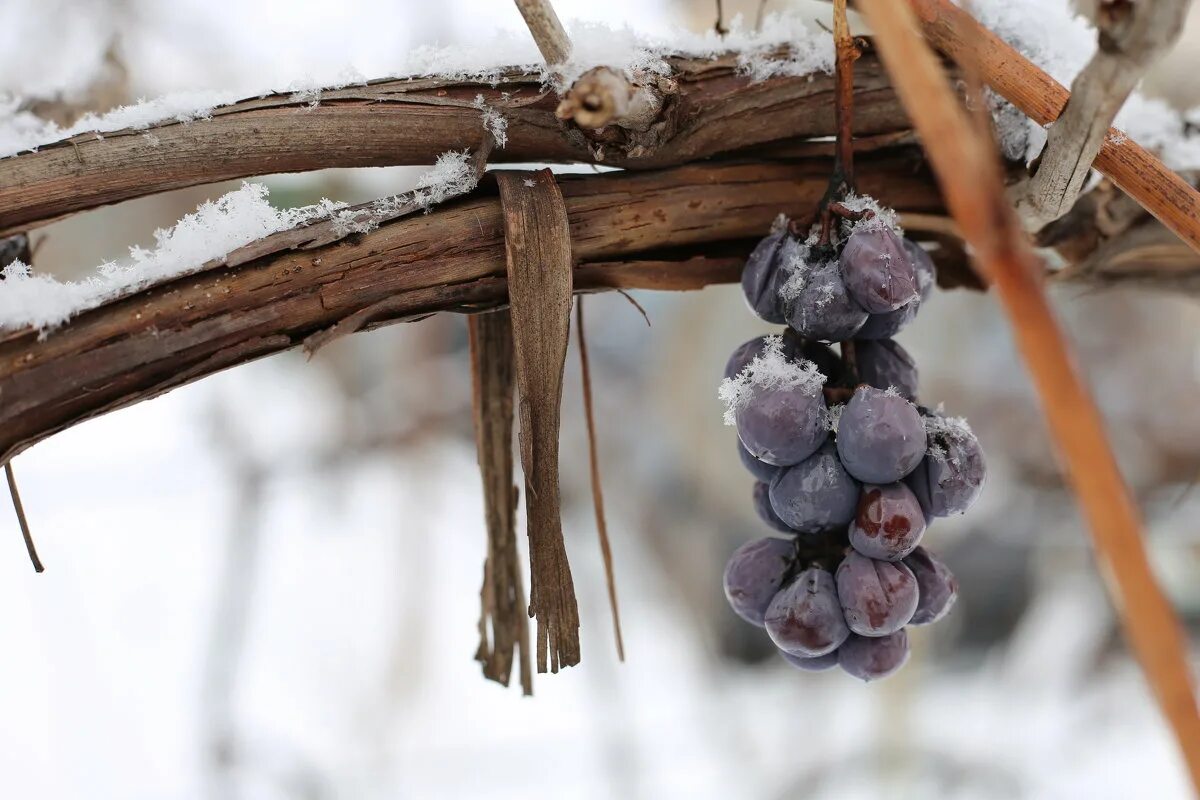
{"type": "Point", "coordinates": [966, 165]}
{"type": "Point", "coordinates": [547, 31]}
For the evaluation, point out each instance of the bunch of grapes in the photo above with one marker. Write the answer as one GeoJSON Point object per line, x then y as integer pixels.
{"type": "Point", "coordinates": [848, 467]}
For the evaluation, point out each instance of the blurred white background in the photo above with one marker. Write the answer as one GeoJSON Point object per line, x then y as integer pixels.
{"type": "Point", "coordinates": [265, 585]}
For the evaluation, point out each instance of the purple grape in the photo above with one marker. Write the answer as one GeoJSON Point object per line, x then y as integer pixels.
{"type": "Point", "coordinates": [888, 324]}
{"type": "Point", "coordinates": [874, 658]}
{"type": "Point", "coordinates": [741, 358]}
{"type": "Point", "coordinates": [884, 363]}
{"type": "Point", "coordinates": [813, 664]}
{"type": "Point", "coordinates": [754, 574]}
{"type": "Point", "coordinates": [949, 479]}
{"type": "Point", "coordinates": [762, 277]}
{"type": "Point", "coordinates": [816, 494]}
{"type": "Point", "coordinates": [762, 504]}
{"type": "Point", "coordinates": [821, 308]}
{"type": "Point", "coordinates": [759, 469]}
{"type": "Point", "coordinates": [877, 597]}
{"type": "Point", "coordinates": [924, 267]}
{"type": "Point", "coordinates": [889, 522]}
{"type": "Point", "coordinates": [878, 271]}
{"type": "Point", "coordinates": [804, 618]}
{"type": "Point", "coordinates": [880, 436]}
{"type": "Point", "coordinates": [937, 586]}
{"type": "Point", "coordinates": [783, 426]}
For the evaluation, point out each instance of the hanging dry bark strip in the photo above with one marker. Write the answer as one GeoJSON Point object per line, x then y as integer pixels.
{"type": "Point", "coordinates": [537, 245]}
{"type": "Point", "coordinates": [503, 593]}
{"type": "Point", "coordinates": [967, 168]}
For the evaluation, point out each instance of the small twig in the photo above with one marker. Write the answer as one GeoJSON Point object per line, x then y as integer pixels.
{"type": "Point", "coordinates": [547, 31]}
{"type": "Point", "coordinates": [597, 493]}
{"type": "Point", "coordinates": [760, 15]}
{"type": "Point", "coordinates": [1129, 42]}
{"type": "Point", "coordinates": [846, 54]}
{"type": "Point", "coordinates": [636, 305]}
{"type": "Point", "coordinates": [24, 523]}
{"type": "Point", "coordinates": [719, 25]}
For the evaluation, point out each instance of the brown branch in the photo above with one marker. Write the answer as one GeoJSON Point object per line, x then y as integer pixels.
{"type": "Point", "coordinates": [546, 30]}
{"type": "Point", "coordinates": [676, 229]}
{"type": "Point", "coordinates": [716, 111]}
{"type": "Point", "coordinates": [968, 171]}
{"type": "Point", "coordinates": [1129, 40]}
{"type": "Point", "coordinates": [597, 488]}
{"type": "Point", "coordinates": [846, 54]}
{"type": "Point", "coordinates": [19, 508]}
{"type": "Point", "coordinates": [1131, 167]}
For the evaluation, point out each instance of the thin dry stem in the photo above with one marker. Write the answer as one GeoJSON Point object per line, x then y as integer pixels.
{"type": "Point", "coordinates": [19, 507]}
{"type": "Point", "coordinates": [547, 31]}
{"type": "Point", "coordinates": [968, 171]}
{"type": "Point", "coordinates": [847, 54]}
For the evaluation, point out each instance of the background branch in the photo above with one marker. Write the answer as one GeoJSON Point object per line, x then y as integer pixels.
{"type": "Point", "coordinates": [546, 30]}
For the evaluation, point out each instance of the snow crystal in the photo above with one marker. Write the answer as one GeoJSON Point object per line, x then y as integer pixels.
{"type": "Point", "coordinates": [939, 428]}
{"type": "Point", "coordinates": [794, 262]}
{"type": "Point", "coordinates": [833, 415]}
{"type": "Point", "coordinates": [770, 369]}
{"type": "Point", "coordinates": [209, 233]}
{"type": "Point", "coordinates": [451, 175]}
{"type": "Point", "coordinates": [880, 216]}
{"type": "Point", "coordinates": [494, 121]}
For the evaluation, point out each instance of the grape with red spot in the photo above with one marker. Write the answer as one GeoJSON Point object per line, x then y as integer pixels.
{"type": "Point", "coordinates": [804, 618]}
{"type": "Point", "coordinates": [874, 658]}
{"type": "Point", "coordinates": [889, 522]}
{"type": "Point", "coordinates": [877, 597]}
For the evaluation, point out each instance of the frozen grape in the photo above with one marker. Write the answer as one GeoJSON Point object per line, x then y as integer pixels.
{"type": "Point", "coordinates": [888, 324]}
{"type": "Point", "coordinates": [884, 363]}
{"type": "Point", "coordinates": [762, 504]}
{"type": "Point", "coordinates": [820, 307]}
{"type": "Point", "coordinates": [804, 618]}
{"type": "Point", "coordinates": [889, 522]}
{"type": "Point", "coordinates": [811, 664]}
{"type": "Point", "coordinates": [782, 426]}
{"type": "Point", "coordinates": [923, 266]}
{"type": "Point", "coordinates": [881, 437]}
{"type": "Point", "coordinates": [815, 495]}
{"type": "Point", "coordinates": [950, 478]}
{"type": "Point", "coordinates": [754, 574]}
{"type": "Point", "coordinates": [759, 469]}
{"type": "Point", "coordinates": [937, 587]}
{"type": "Point", "coordinates": [762, 278]}
{"type": "Point", "coordinates": [877, 270]}
{"type": "Point", "coordinates": [877, 597]}
{"type": "Point", "coordinates": [874, 658]}
{"type": "Point", "coordinates": [741, 358]}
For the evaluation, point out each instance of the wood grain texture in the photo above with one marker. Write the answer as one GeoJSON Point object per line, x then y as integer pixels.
{"type": "Point", "coordinates": [537, 245]}
{"type": "Point", "coordinates": [503, 626]}
{"type": "Point", "coordinates": [716, 110]}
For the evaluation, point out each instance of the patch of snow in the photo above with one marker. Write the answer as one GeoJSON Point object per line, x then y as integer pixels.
{"type": "Point", "coordinates": [770, 369]}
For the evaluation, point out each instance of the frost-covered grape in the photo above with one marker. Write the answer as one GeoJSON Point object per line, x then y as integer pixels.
{"type": "Point", "coordinates": [817, 494]}
{"type": "Point", "coordinates": [783, 426]}
{"type": "Point", "coordinates": [762, 504]}
{"type": "Point", "coordinates": [741, 358]}
{"type": "Point", "coordinates": [828, 362]}
{"type": "Point", "coordinates": [804, 618]}
{"type": "Point", "coordinates": [754, 574]}
{"type": "Point", "coordinates": [759, 469]}
{"type": "Point", "coordinates": [873, 658]}
{"type": "Point", "coordinates": [889, 522]}
{"type": "Point", "coordinates": [936, 584]}
{"type": "Point", "coordinates": [819, 307]}
{"type": "Point", "coordinates": [884, 363]}
{"type": "Point", "coordinates": [923, 266]}
{"type": "Point", "coordinates": [877, 597]}
{"type": "Point", "coordinates": [881, 437]}
{"type": "Point", "coordinates": [762, 278]}
{"type": "Point", "coordinates": [950, 478]}
{"type": "Point", "coordinates": [813, 664]}
{"type": "Point", "coordinates": [888, 324]}
{"type": "Point", "coordinates": [877, 270]}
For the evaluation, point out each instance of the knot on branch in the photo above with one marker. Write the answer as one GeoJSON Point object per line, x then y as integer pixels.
{"type": "Point", "coordinates": [603, 96]}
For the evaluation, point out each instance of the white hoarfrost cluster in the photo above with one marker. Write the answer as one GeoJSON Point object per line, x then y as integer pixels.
{"type": "Point", "coordinates": [877, 216]}
{"type": "Point", "coordinates": [494, 121]}
{"type": "Point", "coordinates": [209, 233]}
{"type": "Point", "coordinates": [940, 428]}
{"type": "Point", "coordinates": [770, 369]}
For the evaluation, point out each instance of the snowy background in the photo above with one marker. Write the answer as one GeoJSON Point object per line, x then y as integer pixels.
{"type": "Point", "coordinates": [265, 585]}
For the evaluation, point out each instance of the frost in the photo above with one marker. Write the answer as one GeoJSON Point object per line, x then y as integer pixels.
{"type": "Point", "coordinates": [941, 429]}
{"type": "Point", "coordinates": [794, 261]}
{"type": "Point", "coordinates": [892, 391]}
{"type": "Point", "coordinates": [208, 234]}
{"type": "Point", "coordinates": [451, 175]}
{"type": "Point", "coordinates": [494, 121]}
{"type": "Point", "coordinates": [770, 369]}
{"type": "Point", "coordinates": [833, 415]}
{"type": "Point", "coordinates": [879, 218]}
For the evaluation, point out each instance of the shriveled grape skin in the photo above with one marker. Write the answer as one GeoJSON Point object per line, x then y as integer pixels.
{"type": "Point", "coordinates": [889, 522]}
{"type": "Point", "coordinates": [874, 658]}
{"type": "Point", "coordinates": [881, 437]}
{"type": "Point", "coordinates": [762, 278]}
{"type": "Point", "coordinates": [923, 266]}
{"type": "Point", "coordinates": [877, 270]}
{"type": "Point", "coordinates": [950, 483]}
{"type": "Point", "coordinates": [759, 469]}
{"type": "Point", "coordinates": [936, 585]}
{"type": "Point", "coordinates": [782, 426]}
{"type": "Point", "coordinates": [754, 575]}
{"type": "Point", "coordinates": [762, 504]}
{"type": "Point", "coordinates": [804, 618]}
{"type": "Point", "coordinates": [813, 664]}
{"type": "Point", "coordinates": [877, 597]}
{"type": "Point", "coordinates": [884, 363]}
{"type": "Point", "coordinates": [824, 309]}
{"type": "Point", "coordinates": [816, 494]}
